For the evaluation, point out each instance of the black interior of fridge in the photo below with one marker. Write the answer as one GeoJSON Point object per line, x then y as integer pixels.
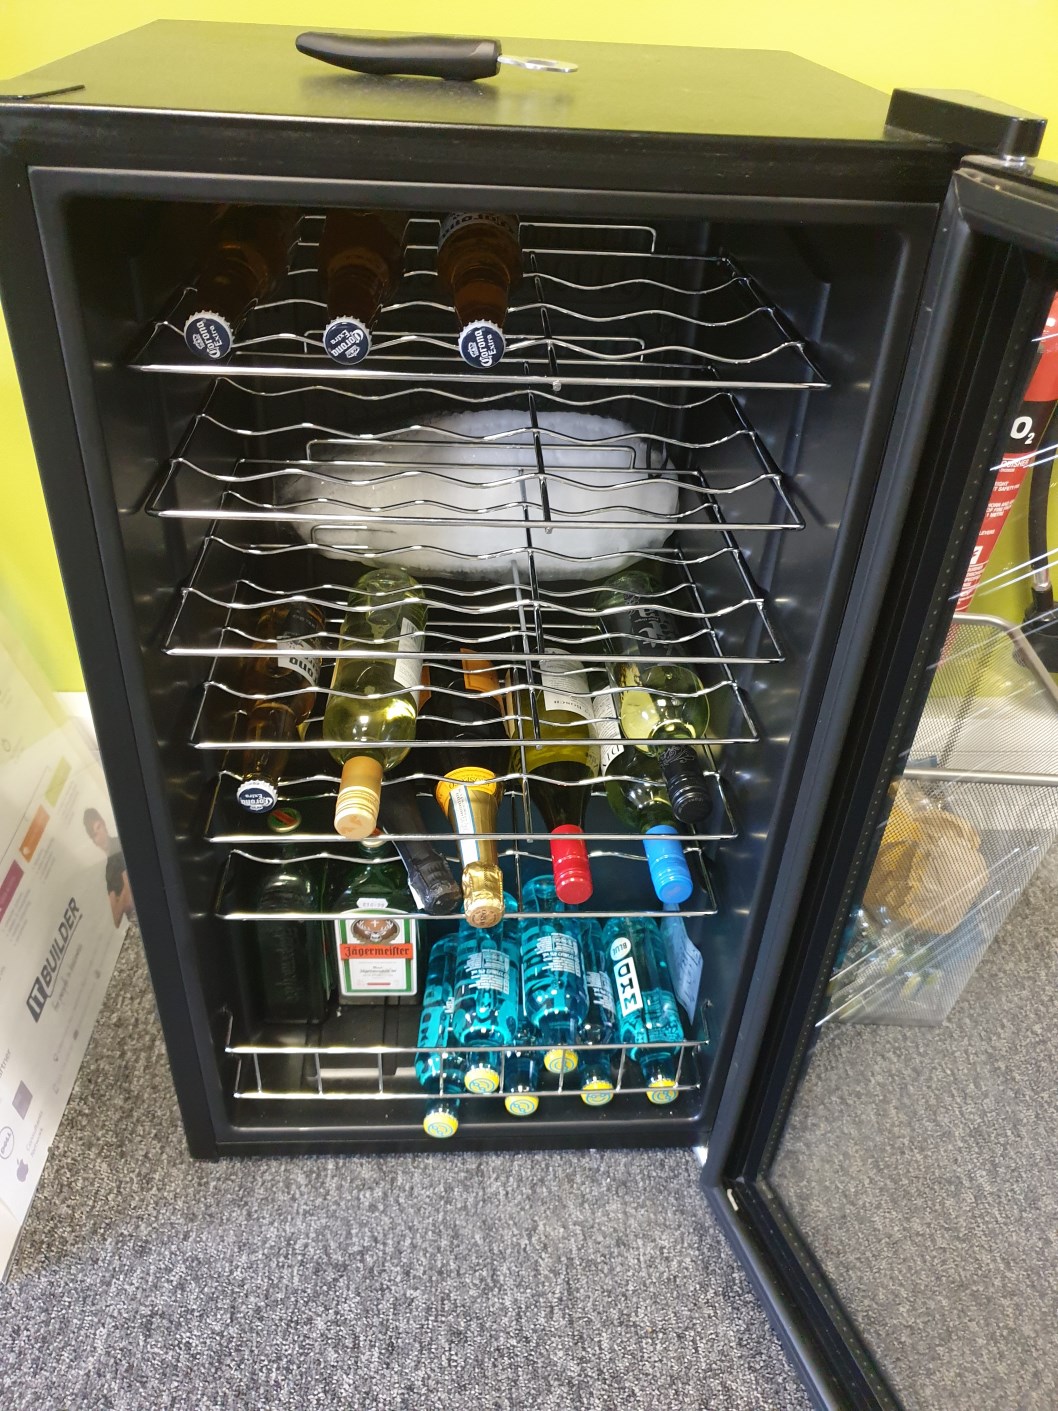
{"type": "Point", "coordinates": [720, 381]}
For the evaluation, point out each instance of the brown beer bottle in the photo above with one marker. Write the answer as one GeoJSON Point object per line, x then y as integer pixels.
{"type": "Point", "coordinates": [246, 258]}
{"type": "Point", "coordinates": [361, 257]}
{"type": "Point", "coordinates": [479, 262]}
{"type": "Point", "coordinates": [290, 680]}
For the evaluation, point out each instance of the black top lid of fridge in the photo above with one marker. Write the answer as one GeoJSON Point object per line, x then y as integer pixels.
{"type": "Point", "coordinates": [747, 121]}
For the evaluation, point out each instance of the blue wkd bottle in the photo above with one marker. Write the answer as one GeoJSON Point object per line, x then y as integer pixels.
{"type": "Point", "coordinates": [440, 1074]}
{"type": "Point", "coordinates": [553, 986]}
{"type": "Point", "coordinates": [521, 1076]}
{"type": "Point", "coordinates": [487, 997]}
{"type": "Point", "coordinates": [646, 1005]}
{"type": "Point", "coordinates": [600, 1025]}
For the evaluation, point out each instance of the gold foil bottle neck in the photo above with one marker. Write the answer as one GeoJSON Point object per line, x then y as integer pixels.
{"type": "Point", "coordinates": [359, 795]}
{"type": "Point", "coordinates": [483, 894]}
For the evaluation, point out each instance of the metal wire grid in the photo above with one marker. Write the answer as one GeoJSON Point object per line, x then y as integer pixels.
{"type": "Point", "coordinates": [599, 304]}
{"type": "Point", "coordinates": [990, 722]}
{"type": "Point", "coordinates": [381, 1073]}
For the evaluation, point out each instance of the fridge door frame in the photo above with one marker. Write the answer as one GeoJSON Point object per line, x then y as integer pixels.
{"type": "Point", "coordinates": [983, 303]}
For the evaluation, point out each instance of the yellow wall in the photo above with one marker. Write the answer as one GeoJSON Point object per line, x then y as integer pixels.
{"type": "Point", "coordinates": [1007, 51]}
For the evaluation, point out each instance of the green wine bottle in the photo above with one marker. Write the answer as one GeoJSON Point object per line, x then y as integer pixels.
{"type": "Point", "coordinates": [373, 701]}
{"type": "Point", "coordinates": [290, 978]}
{"type": "Point", "coordinates": [659, 697]}
{"type": "Point", "coordinates": [375, 940]}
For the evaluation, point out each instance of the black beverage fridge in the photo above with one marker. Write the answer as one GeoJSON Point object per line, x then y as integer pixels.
{"type": "Point", "coordinates": [771, 338]}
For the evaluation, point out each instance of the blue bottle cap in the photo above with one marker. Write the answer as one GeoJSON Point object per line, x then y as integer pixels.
{"type": "Point", "coordinates": [668, 867]}
{"type": "Point", "coordinates": [347, 341]}
{"type": "Point", "coordinates": [482, 344]}
{"type": "Point", "coordinates": [209, 336]}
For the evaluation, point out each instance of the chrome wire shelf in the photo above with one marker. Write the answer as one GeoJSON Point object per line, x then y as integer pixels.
{"type": "Point", "coordinates": [599, 304]}
{"type": "Point", "coordinates": [343, 466]}
{"type": "Point", "coordinates": [379, 1073]}
{"type": "Point", "coordinates": [245, 870]}
{"type": "Point", "coordinates": [313, 795]}
{"type": "Point", "coordinates": [517, 626]}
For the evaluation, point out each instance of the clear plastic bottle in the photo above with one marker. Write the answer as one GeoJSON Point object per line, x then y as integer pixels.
{"type": "Point", "coordinates": [521, 1075]}
{"type": "Point", "coordinates": [646, 1005]}
{"type": "Point", "coordinates": [479, 261]}
{"type": "Point", "coordinates": [439, 1073]}
{"type": "Point", "coordinates": [553, 985]}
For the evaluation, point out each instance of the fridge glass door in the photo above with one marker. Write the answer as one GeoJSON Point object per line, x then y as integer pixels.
{"type": "Point", "coordinates": [899, 1170]}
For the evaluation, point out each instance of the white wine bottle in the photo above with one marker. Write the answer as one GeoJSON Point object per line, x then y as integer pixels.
{"type": "Point", "coordinates": [370, 716]}
{"type": "Point", "coordinates": [561, 765]}
{"type": "Point", "coordinates": [660, 698]}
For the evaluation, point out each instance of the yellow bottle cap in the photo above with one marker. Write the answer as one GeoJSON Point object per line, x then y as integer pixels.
{"type": "Point", "coordinates": [521, 1104]}
{"type": "Point", "coordinates": [359, 795]}
{"type": "Point", "coordinates": [560, 1060]}
{"type": "Point", "coordinates": [597, 1092]}
{"type": "Point", "coordinates": [481, 1079]}
{"type": "Point", "coordinates": [662, 1091]}
{"type": "Point", "coordinates": [483, 894]}
{"type": "Point", "coordinates": [440, 1124]}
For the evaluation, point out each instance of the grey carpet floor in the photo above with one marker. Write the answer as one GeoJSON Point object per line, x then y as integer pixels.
{"type": "Point", "coordinates": [580, 1281]}
{"type": "Point", "coordinates": [921, 1164]}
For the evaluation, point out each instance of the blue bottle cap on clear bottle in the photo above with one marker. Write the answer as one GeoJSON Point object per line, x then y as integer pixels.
{"type": "Point", "coordinates": [209, 335]}
{"type": "Point", "coordinates": [668, 867]}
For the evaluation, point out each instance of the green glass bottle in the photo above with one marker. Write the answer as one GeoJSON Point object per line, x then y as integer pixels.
{"type": "Point", "coordinates": [375, 939]}
{"type": "Point", "coordinates": [373, 700]}
{"type": "Point", "coordinates": [289, 971]}
{"type": "Point", "coordinates": [659, 698]}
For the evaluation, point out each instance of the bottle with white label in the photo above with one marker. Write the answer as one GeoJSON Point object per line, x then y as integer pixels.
{"type": "Point", "coordinates": [487, 997]}
{"type": "Point", "coordinates": [645, 1003]}
{"type": "Point", "coordinates": [636, 792]}
{"type": "Point", "coordinates": [375, 939]}
{"type": "Point", "coordinates": [464, 719]}
{"type": "Point", "coordinates": [439, 1073]}
{"type": "Point", "coordinates": [562, 764]}
{"type": "Point", "coordinates": [660, 698]}
{"type": "Point", "coordinates": [374, 696]}
{"type": "Point", "coordinates": [600, 1023]}
{"type": "Point", "coordinates": [281, 689]}
{"type": "Point", "coordinates": [554, 989]}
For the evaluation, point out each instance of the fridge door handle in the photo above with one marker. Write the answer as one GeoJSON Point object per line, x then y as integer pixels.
{"type": "Point", "coordinates": [419, 55]}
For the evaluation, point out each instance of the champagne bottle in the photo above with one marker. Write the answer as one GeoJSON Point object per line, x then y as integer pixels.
{"type": "Point", "coordinates": [432, 885]}
{"type": "Point", "coordinates": [479, 261]}
{"type": "Point", "coordinates": [292, 676]}
{"type": "Point", "coordinates": [658, 698]}
{"type": "Point", "coordinates": [375, 940]}
{"type": "Point", "coordinates": [370, 715]}
{"type": "Point", "coordinates": [246, 259]}
{"type": "Point", "coordinates": [635, 791]}
{"type": "Point", "coordinates": [290, 975]}
{"type": "Point", "coordinates": [464, 707]}
{"type": "Point", "coordinates": [561, 771]}
{"type": "Point", "coordinates": [360, 259]}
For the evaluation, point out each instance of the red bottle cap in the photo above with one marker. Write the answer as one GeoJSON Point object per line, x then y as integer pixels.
{"type": "Point", "coordinates": [569, 858]}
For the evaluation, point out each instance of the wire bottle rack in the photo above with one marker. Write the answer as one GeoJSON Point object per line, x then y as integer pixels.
{"type": "Point", "coordinates": [610, 434]}
{"type": "Point", "coordinates": [599, 304]}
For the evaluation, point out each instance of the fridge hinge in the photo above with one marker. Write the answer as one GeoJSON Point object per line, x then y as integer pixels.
{"type": "Point", "coordinates": [969, 120]}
